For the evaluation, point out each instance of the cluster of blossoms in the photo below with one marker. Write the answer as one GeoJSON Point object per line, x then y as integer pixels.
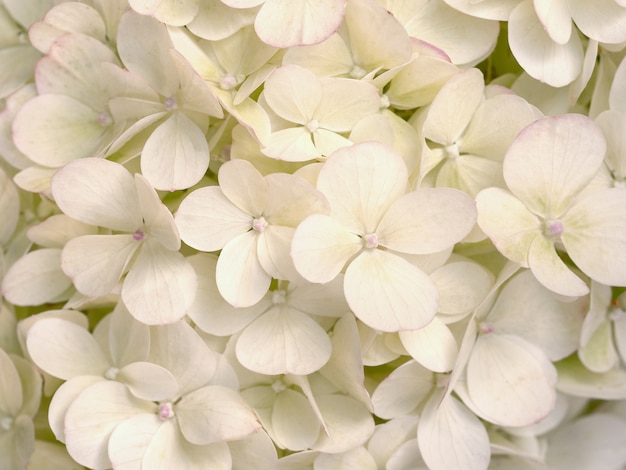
{"type": "Point", "coordinates": [325, 235]}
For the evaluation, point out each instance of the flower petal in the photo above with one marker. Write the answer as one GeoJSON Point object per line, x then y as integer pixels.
{"type": "Point", "coordinates": [433, 346]}
{"type": "Point", "coordinates": [388, 293]}
{"type": "Point", "coordinates": [293, 93]}
{"type": "Point", "coordinates": [244, 186]}
{"type": "Point", "coordinates": [148, 381]}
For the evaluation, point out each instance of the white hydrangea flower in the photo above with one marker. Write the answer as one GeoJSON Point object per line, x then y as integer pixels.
{"type": "Point", "coordinates": [548, 165]}
{"type": "Point", "coordinates": [373, 222]}
{"type": "Point", "coordinates": [158, 283]}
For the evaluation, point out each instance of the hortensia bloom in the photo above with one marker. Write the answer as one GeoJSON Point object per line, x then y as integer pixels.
{"type": "Point", "coordinates": [545, 209]}
{"type": "Point", "coordinates": [373, 226]}
{"type": "Point", "coordinates": [142, 245]}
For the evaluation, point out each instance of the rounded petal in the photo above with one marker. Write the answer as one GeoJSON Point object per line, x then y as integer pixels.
{"type": "Point", "coordinates": [293, 93]}
{"type": "Point", "coordinates": [555, 18]}
{"type": "Point", "coordinates": [176, 155]}
{"type": "Point", "coordinates": [433, 346]}
{"type": "Point", "coordinates": [10, 386]}
{"type": "Point", "coordinates": [607, 23]}
{"type": "Point", "coordinates": [148, 381]}
{"type": "Point", "coordinates": [595, 235]}
{"type": "Point", "coordinates": [298, 22]}
{"type": "Point", "coordinates": [273, 251]}
{"type": "Point", "coordinates": [98, 192]}
{"type": "Point", "coordinates": [553, 159]}
{"type": "Point", "coordinates": [388, 293]}
{"type": "Point", "coordinates": [65, 350]}
{"type": "Point", "coordinates": [283, 341]}
{"type": "Point", "coordinates": [130, 439]}
{"type": "Point", "coordinates": [462, 286]}
{"type": "Point", "coordinates": [174, 13]}
{"type": "Point", "coordinates": [293, 434]}
{"type": "Point", "coordinates": [244, 186]}
{"type": "Point", "coordinates": [510, 381]}
{"type": "Point", "coordinates": [160, 285]}
{"type": "Point", "coordinates": [344, 102]}
{"type": "Point", "coordinates": [294, 144]}
{"type": "Point", "coordinates": [427, 221]}
{"type": "Point", "coordinates": [208, 220]}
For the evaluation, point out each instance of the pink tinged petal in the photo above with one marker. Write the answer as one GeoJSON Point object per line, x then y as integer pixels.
{"type": "Point", "coordinates": [208, 220]}
{"type": "Point", "coordinates": [427, 221]}
{"type": "Point", "coordinates": [130, 439]}
{"type": "Point", "coordinates": [362, 18]}
{"type": "Point", "coordinates": [148, 381]}
{"type": "Point", "coordinates": [178, 347]}
{"type": "Point", "coordinates": [552, 160]}
{"type": "Point", "coordinates": [244, 186]}
{"type": "Point", "coordinates": [10, 387]}
{"type": "Point", "coordinates": [293, 93]}
{"type": "Point", "coordinates": [595, 235]}
{"type": "Point", "coordinates": [433, 346]}
{"type": "Point", "coordinates": [273, 251]}
{"type": "Point", "coordinates": [348, 423]}
{"type": "Point", "coordinates": [510, 225]}
{"type": "Point", "coordinates": [94, 415]}
{"type": "Point", "coordinates": [526, 309]}
{"type": "Point", "coordinates": [160, 285]}
{"type": "Point", "coordinates": [294, 144]}
{"type": "Point", "coordinates": [53, 129]}
{"type": "Point", "coordinates": [606, 23]}
{"type": "Point", "coordinates": [403, 390]}
{"type": "Point", "coordinates": [213, 414]}
{"type": "Point", "coordinates": [98, 192]}
{"type": "Point", "coordinates": [543, 59]}
{"type": "Point", "coordinates": [451, 436]}
{"type": "Point", "coordinates": [299, 22]}
{"type": "Point", "coordinates": [283, 341]}
{"type": "Point", "coordinates": [64, 349]}
{"type": "Point", "coordinates": [361, 182]}
{"type": "Point", "coordinates": [453, 107]}
{"type": "Point", "coordinates": [176, 155]}
{"type": "Point", "coordinates": [321, 247]}
{"type": "Point", "coordinates": [157, 217]}
{"type": "Point", "coordinates": [388, 293]}
{"type": "Point", "coordinates": [344, 102]}
{"type": "Point", "coordinates": [63, 397]}
{"type": "Point", "coordinates": [592, 441]}
{"type": "Point", "coordinates": [241, 279]}
{"type": "Point", "coordinates": [598, 354]}
{"type": "Point", "coordinates": [289, 433]}
{"type": "Point", "coordinates": [550, 270]}
{"type": "Point", "coordinates": [36, 278]}
{"type": "Point", "coordinates": [510, 381]}
{"type": "Point", "coordinates": [95, 263]}
{"type": "Point", "coordinates": [555, 18]}
{"type": "Point", "coordinates": [171, 12]}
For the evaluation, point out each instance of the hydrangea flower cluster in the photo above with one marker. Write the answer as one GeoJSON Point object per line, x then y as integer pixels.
{"type": "Point", "coordinates": [296, 235]}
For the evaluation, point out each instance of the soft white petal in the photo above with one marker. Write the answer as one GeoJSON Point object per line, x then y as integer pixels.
{"type": "Point", "coordinates": [208, 220]}
{"type": "Point", "coordinates": [36, 278]}
{"type": "Point", "coordinates": [427, 221]}
{"type": "Point", "coordinates": [129, 440]}
{"type": "Point", "coordinates": [321, 247]}
{"type": "Point", "coordinates": [293, 144]}
{"type": "Point", "coordinates": [241, 279]}
{"type": "Point", "coordinates": [148, 381]}
{"type": "Point", "coordinates": [289, 433]}
{"type": "Point", "coordinates": [128, 339]}
{"type": "Point", "coordinates": [510, 381]}
{"type": "Point", "coordinates": [293, 93]}
{"type": "Point", "coordinates": [344, 102]}
{"type": "Point", "coordinates": [462, 286]}
{"type": "Point", "coordinates": [543, 59]}
{"type": "Point", "coordinates": [175, 13]}
{"type": "Point", "coordinates": [244, 186]}
{"type": "Point", "coordinates": [551, 271]}
{"type": "Point", "coordinates": [9, 205]}
{"type": "Point", "coordinates": [598, 354]}
{"type": "Point", "coordinates": [283, 341]}
{"type": "Point", "coordinates": [510, 225]}
{"type": "Point", "coordinates": [388, 293]}
{"type": "Point", "coordinates": [298, 22]}
{"type": "Point", "coordinates": [451, 436]}
{"type": "Point", "coordinates": [98, 192]}
{"type": "Point", "coordinates": [273, 252]}
{"type": "Point", "coordinates": [291, 199]}
{"type": "Point", "coordinates": [606, 23]}
{"type": "Point", "coordinates": [595, 235]}
{"type": "Point", "coordinates": [551, 160]}
{"type": "Point", "coordinates": [95, 263]}
{"type": "Point", "coordinates": [453, 107]}
{"type": "Point", "coordinates": [176, 155]}
{"type": "Point", "coordinates": [10, 387]}
{"type": "Point", "coordinates": [57, 230]}
{"type": "Point", "coordinates": [213, 414]}
{"type": "Point", "coordinates": [64, 349]}
{"type": "Point", "coordinates": [470, 174]}
{"type": "Point", "coordinates": [575, 379]}
{"type": "Point", "coordinates": [556, 19]}
{"type": "Point", "coordinates": [361, 182]}
{"type": "Point", "coordinates": [433, 346]}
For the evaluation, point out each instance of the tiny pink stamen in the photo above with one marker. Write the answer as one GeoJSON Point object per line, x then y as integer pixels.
{"type": "Point", "coordinates": [553, 228]}
{"type": "Point", "coordinates": [371, 240]}
{"type": "Point", "coordinates": [166, 410]}
{"type": "Point", "coordinates": [139, 235]}
{"type": "Point", "coordinates": [485, 328]}
{"type": "Point", "coordinates": [170, 103]}
{"type": "Point", "coordinates": [104, 119]}
{"type": "Point", "coordinates": [259, 224]}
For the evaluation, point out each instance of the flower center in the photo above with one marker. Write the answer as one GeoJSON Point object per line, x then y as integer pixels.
{"type": "Point", "coordinates": [452, 151]}
{"type": "Point", "coordinates": [166, 410]}
{"type": "Point", "coordinates": [228, 82]}
{"type": "Point", "coordinates": [259, 224]}
{"type": "Point", "coordinates": [357, 72]}
{"type": "Point", "coordinates": [170, 104]}
{"type": "Point", "coordinates": [370, 240]}
{"type": "Point", "coordinates": [6, 423]}
{"type": "Point", "coordinates": [111, 373]}
{"type": "Point", "coordinates": [139, 235]}
{"type": "Point", "coordinates": [279, 297]}
{"type": "Point", "coordinates": [279, 386]}
{"type": "Point", "coordinates": [104, 119]}
{"type": "Point", "coordinates": [485, 328]}
{"type": "Point", "coordinates": [552, 228]}
{"type": "Point", "coordinates": [313, 125]}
